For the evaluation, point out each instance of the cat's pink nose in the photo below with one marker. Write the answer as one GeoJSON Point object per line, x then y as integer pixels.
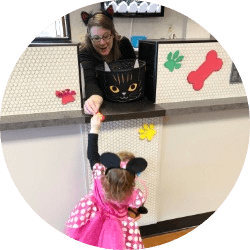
{"type": "Point", "coordinates": [124, 93]}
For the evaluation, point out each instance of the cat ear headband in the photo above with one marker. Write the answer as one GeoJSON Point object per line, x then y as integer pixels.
{"type": "Point", "coordinates": [108, 12]}
{"type": "Point", "coordinates": [134, 166]}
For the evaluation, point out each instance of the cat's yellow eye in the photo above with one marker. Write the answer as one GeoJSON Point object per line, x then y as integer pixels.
{"type": "Point", "coordinates": [114, 89]}
{"type": "Point", "coordinates": [132, 87]}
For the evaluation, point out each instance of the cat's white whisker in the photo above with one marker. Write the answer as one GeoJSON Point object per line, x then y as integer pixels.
{"type": "Point", "coordinates": [118, 79]}
{"type": "Point", "coordinates": [114, 78]}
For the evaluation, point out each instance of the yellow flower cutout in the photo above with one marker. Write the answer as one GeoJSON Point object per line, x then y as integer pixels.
{"type": "Point", "coordinates": [147, 131]}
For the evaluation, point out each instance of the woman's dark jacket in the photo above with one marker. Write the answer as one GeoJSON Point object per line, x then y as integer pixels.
{"type": "Point", "coordinates": [89, 59]}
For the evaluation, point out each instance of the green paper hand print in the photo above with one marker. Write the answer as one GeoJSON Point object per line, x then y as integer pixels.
{"type": "Point", "coordinates": [173, 63]}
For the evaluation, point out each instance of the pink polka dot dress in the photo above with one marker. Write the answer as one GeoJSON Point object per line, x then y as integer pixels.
{"type": "Point", "coordinates": [98, 222]}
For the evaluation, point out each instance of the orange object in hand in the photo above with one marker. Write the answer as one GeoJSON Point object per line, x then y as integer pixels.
{"type": "Point", "coordinates": [102, 117]}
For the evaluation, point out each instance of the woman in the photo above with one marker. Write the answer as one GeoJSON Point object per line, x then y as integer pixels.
{"type": "Point", "coordinates": [102, 43]}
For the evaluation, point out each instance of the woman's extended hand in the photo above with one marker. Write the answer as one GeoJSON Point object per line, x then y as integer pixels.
{"type": "Point", "coordinates": [92, 104]}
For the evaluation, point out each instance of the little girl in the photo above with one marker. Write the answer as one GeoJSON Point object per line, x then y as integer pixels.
{"type": "Point", "coordinates": [101, 218]}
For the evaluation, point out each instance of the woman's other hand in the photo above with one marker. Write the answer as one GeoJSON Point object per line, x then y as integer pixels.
{"type": "Point", "coordinates": [92, 104]}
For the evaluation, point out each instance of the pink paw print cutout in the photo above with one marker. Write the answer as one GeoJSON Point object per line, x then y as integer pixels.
{"type": "Point", "coordinates": [66, 95]}
{"type": "Point", "coordinates": [211, 64]}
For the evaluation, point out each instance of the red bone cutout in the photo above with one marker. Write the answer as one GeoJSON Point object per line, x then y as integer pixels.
{"type": "Point", "coordinates": [198, 77]}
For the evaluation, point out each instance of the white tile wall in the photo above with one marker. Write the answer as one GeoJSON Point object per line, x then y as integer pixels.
{"type": "Point", "coordinates": [38, 74]}
{"type": "Point", "coordinates": [174, 87]}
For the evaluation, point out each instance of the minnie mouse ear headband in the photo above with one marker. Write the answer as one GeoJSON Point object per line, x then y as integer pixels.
{"type": "Point", "coordinates": [108, 12]}
{"type": "Point", "coordinates": [134, 166]}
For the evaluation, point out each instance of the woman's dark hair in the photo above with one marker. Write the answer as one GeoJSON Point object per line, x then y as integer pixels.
{"type": "Point", "coordinates": [101, 20]}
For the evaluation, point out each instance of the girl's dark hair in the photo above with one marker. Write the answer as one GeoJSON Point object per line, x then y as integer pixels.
{"type": "Point", "coordinates": [101, 20]}
{"type": "Point", "coordinates": [118, 183]}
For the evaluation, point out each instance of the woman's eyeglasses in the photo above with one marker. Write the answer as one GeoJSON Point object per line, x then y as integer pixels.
{"type": "Point", "coordinates": [97, 39]}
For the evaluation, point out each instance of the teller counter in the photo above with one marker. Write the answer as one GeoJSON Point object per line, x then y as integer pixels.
{"type": "Point", "coordinates": [194, 157]}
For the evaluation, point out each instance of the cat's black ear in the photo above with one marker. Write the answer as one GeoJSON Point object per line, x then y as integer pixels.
{"type": "Point", "coordinates": [85, 17]}
{"type": "Point", "coordinates": [137, 165]}
{"type": "Point", "coordinates": [110, 10]}
{"type": "Point", "coordinates": [110, 160]}
{"type": "Point", "coordinates": [136, 64]}
{"type": "Point", "coordinates": [106, 67]}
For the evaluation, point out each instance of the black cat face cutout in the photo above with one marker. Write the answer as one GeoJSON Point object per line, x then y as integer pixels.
{"type": "Point", "coordinates": [123, 86]}
{"type": "Point", "coordinates": [134, 166]}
